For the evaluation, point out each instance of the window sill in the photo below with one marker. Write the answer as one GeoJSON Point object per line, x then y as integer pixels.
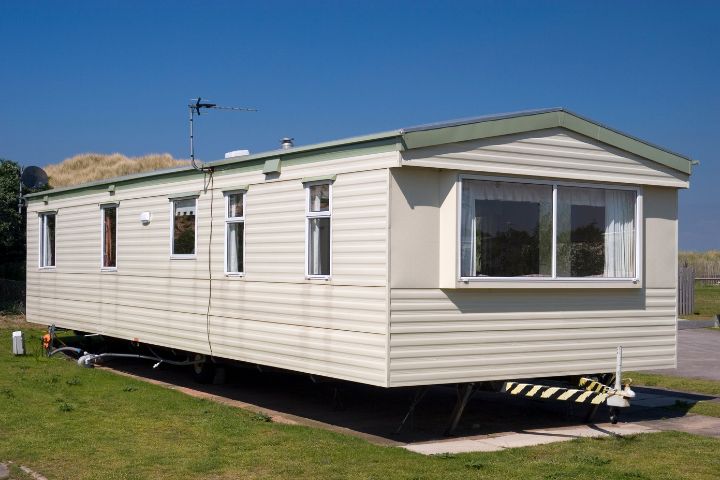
{"type": "Point", "coordinates": [183, 257]}
{"type": "Point", "coordinates": [46, 269]}
{"type": "Point", "coordinates": [482, 283]}
{"type": "Point", "coordinates": [317, 277]}
{"type": "Point", "coordinates": [235, 274]}
{"type": "Point", "coordinates": [108, 269]}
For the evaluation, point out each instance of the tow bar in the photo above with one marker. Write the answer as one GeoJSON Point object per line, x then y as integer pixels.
{"type": "Point", "coordinates": [592, 392]}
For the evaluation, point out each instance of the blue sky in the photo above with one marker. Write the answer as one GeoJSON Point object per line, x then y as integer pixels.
{"type": "Point", "coordinates": [116, 76]}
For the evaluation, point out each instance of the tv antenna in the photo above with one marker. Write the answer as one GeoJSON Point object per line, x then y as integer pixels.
{"type": "Point", "coordinates": [194, 109]}
{"type": "Point", "coordinates": [32, 178]}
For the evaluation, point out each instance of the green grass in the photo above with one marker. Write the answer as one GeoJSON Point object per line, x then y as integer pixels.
{"type": "Point", "coordinates": [711, 409]}
{"type": "Point", "coordinates": [707, 302]}
{"type": "Point", "coordinates": [682, 384]}
{"type": "Point", "coordinates": [72, 423]}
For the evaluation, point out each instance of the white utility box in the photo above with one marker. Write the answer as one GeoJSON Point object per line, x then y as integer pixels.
{"type": "Point", "coordinates": [18, 343]}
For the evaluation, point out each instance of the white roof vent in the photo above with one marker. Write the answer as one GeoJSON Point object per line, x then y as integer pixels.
{"type": "Point", "coordinates": [237, 153]}
{"type": "Point", "coordinates": [286, 143]}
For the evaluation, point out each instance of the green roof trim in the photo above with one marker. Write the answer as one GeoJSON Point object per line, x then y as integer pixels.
{"type": "Point", "coordinates": [398, 140]}
{"type": "Point", "coordinates": [512, 123]}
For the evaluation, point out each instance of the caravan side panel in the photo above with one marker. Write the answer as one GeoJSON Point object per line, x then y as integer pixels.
{"type": "Point", "coordinates": [270, 316]}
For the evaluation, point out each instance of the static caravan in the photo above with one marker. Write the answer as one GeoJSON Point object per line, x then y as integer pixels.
{"type": "Point", "coordinates": [511, 246]}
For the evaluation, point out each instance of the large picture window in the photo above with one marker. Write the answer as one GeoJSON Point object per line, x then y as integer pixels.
{"type": "Point", "coordinates": [47, 240]}
{"type": "Point", "coordinates": [184, 223]}
{"type": "Point", "coordinates": [109, 236]}
{"type": "Point", "coordinates": [317, 244]}
{"type": "Point", "coordinates": [513, 229]}
{"type": "Point", "coordinates": [234, 233]}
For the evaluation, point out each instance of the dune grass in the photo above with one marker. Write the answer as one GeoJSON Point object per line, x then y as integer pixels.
{"type": "Point", "coordinates": [87, 167]}
{"type": "Point", "coordinates": [706, 264]}
{"type": "Point", "coordinates": [72, 423]}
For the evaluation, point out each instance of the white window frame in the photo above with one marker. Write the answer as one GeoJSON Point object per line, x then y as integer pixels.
{"type": "Point", "coordinates": [553, 278]}
{"type": "Point", "coordinates": [310, 215]}
{"type": "Point", "coordinates": [229, 220]}
{"type": "Point", "coordinates": [42, 225]}
{"type": "Point", "coordinates": [103, 206]}
{"type": "Point", "coordinates": [183, 256]}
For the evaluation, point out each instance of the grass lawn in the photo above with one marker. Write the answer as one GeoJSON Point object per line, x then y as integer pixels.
{"type": "Point", "coordinates": [683, 384]}
{"type": "Point", "coordinates": [72, 423]}
{"type": "Point", "coordinates": [707, 302]}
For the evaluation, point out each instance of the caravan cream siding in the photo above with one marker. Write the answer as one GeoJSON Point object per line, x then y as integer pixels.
{"type": "Point", "coordinates": [448, 335]}
{"type": "Point", "coordinates": [393, 313]}
{"type": "Point", "coordinates": [553, 153]}
{"type": "Point", "coordinates": [271, 316]}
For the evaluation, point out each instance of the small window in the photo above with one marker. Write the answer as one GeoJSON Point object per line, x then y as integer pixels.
{"type": "Point", "coordinates": [234, 233]}
{"type": "Point", "coordinates": [184, 227]}
{"type": "Point", "coordinates": [47, 240]}
{"type": "Point", "coordinates": [318, 228]}
{"type": "Point", "coordinates": [109, 236]}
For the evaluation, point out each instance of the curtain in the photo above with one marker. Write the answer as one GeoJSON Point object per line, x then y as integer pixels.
{"type": "Point", "coordinates": [48, 240]}
{"type": "Point", "coordinates": [473, 190]}
{"type": "Point", "coordinates": [619, 231]}
{"type": "Point", "coordinates": [232, 246]}
{"type": "Point", "coordinates": [109, 237]}
{"type": "Point", "coordinates": [619, 234]}
{"type": "Point", "coordinates": [315, 263]}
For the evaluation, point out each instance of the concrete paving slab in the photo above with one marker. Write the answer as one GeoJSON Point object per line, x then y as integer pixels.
{"type": "Point", "coordinates": [452, 446]}
{"type": "Point", "coordinates": [691, 324]}
{"type": "Point", "coordinates": [528, 438]}
{"type": "Point", "coordinates": [695, 424]}
{"type": "Point", "coordinates": [4, 471]}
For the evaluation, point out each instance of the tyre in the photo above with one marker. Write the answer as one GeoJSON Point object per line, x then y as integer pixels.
{"type": "Point", "coordinates": [614, 413]}
{"type": "Point", "coordinates": [203, 371]}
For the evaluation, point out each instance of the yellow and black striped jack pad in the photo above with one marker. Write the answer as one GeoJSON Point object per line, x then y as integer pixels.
{"type": "Point", "coordinates": [554, 393]}
{"type": "Point", "coordinates": [590, 384]}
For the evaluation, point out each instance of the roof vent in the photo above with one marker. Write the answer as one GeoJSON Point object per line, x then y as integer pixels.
{"type": "Point", "coordinates": [237, 153]}
{"type": "Point", "coordinates": [287, 143]}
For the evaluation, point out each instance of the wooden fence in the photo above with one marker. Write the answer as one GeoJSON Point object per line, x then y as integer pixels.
{"type": "Point", "coordinates": [686, 290]}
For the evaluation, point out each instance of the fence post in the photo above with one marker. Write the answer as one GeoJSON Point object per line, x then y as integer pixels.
{"type": "Point", "coordinates": [686, 290]}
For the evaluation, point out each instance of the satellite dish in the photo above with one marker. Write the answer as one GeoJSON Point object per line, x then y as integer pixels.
{"type": "Point", "coordinates": [34, 177]}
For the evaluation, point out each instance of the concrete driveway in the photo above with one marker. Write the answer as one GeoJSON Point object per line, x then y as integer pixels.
{"type": "Point", "coordinates": [698, 354]}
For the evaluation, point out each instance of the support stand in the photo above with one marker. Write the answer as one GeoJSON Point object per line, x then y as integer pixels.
{"type": "Point", "coordinates": [464, 392]}
{"type": "Point", "coordinates": [419, 395]}
{"type": "Point", "coordinates": [607, 379]}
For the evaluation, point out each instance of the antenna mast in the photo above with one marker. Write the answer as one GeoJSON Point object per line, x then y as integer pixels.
{"type": "Point", "coordinates": [194, 109]}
